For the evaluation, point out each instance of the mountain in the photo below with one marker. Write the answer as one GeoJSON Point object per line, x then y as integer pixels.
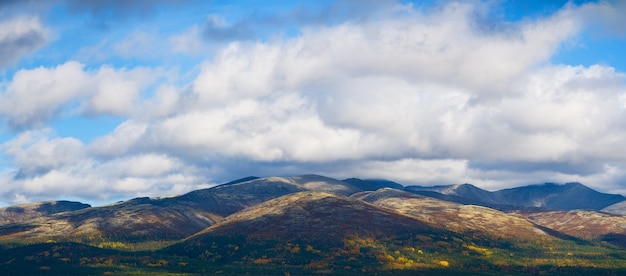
{"type": "Point", "coordinates": [232, 197]}
{"type": "Point", "coordinates": [324, 232]}
{"type": "Point", "coordinates": [138, 222]}
{"type": "Point", "coordinates": [546, 196]}
{"type": "Point", "coordinates": [134, 221]}
{"type": "Point", "coordinates": [384, 230]}
{"type": "Point", "coordinates": [570, 196]}
{"type": "Point", "coordinates": [313, 215]}
{"type": "Point", "coordinates": [467, 191]}
{"type": "Point", "coordinates": [463, 219]}
{"type": "Point", "coordinates": [312, 224]}
{"type": "Point", "coordinates": [25, 212]}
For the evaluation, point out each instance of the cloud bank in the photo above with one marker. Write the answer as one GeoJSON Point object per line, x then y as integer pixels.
{"type": "Point", "coordinates": [412, 95]}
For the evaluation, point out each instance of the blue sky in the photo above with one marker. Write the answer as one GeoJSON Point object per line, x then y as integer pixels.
{"type": "Point", "coordinates": [109, 100]}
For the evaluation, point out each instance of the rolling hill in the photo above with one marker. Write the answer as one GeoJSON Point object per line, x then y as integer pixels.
{"type": "Point", "coordinates": [315, 224]}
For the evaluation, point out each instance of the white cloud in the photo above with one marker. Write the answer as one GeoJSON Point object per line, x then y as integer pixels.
{"type": "Point", "coordinates": [36, 153]}
{"type": "Point", "coordinates": [188, 42]}
{"type": "Point", "coordinates": [136, 44]}
{"type": "Point", "coordinates": [52, 168]}
{"type": "Point", "coordinates": [141, 166]}
{"type": "Point", "coordinates": [20, 36]}
{"type": "Point", "coordinates": [121, 141]}
{"type": "Point", "coordinates": [417, 98]}
{"type": "Point", "coordinates": [34, 96]}
{"type": "Point", "coordinates": [604, 17]}
{"type": "Point", "coordinates": [115, 91]}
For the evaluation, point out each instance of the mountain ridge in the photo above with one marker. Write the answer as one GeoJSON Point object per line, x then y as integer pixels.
{"type": "Point", "coordinates": [312, 223]}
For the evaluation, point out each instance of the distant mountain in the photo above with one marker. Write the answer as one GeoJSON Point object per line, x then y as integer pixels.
{"type": "Point", "coordinates": [24, 212]}
{"type": "Point", "coordinates": [570, 196]}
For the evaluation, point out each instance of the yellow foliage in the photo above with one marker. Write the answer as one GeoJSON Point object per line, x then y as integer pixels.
{"type": "Point", "coordinates": [292, 248]}
{"type": "Point", "coordinates": [160, 262]}
{"type": "Point", "coordinates": [483, 251]}
{"type": "Point", "coordinates": [262, 261]}
{"type": "Point", "coordinates": [444, 263]}
{"type": "Point", "coordinates": [403, 259]}
{"type": "Point", "coordinates": [114, 245]}
{"type": "Point", "coordinates": [310, 248]}
{"type": "Point", "coordinates": [385, 258]}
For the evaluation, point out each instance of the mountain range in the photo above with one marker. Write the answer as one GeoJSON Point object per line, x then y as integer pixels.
{"type": "Point", "coordinates": [315, 224]}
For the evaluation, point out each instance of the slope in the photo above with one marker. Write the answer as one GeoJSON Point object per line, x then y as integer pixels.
{"type": "Point", "coordinates": [141, 222]}
{"type": "Point", "coordinates": [24, 212]}
{"type": "Point", "coordinates": [463, 219]}
{"type": "Point", "coordinates": [467, 191]}
{"type": "Point", "coordinates": [585, 224]}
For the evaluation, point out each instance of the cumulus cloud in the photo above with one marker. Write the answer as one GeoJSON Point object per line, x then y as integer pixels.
{"type": "Point", "coordinates": [187, 42]}
{"type": "Point", "coordinates": [419, 98]}
{"type": "Point", "coordinates": [20, 36]}
{"type": "Point", "coordinates": [35, 153]}
{"type": "Point", "coordinates": [36, 95]}
{"type": "Point", "coordinates": [53, 167]}
{"type": "Point", "coordinates": [605, 17]}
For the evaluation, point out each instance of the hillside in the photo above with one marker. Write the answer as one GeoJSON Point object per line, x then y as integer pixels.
{"type": "Point", "coordinates": [467, 191]}
{"type": "Point", "coordinates": [137, 223]}
{"type": "Point", "coordinates": [321, 231]}
{"type": "Point", "coordinates": [315, 224]}
{"type": "Point", "coordinates": [463, 219]}
{"type": "Point", "coordinates": [24, 212]}
{"type": "Point", "coordinates": [585, 224]}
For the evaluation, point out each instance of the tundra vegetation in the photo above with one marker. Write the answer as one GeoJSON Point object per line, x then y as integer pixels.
{"type": "Point", "coordinates": [309, 225]}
